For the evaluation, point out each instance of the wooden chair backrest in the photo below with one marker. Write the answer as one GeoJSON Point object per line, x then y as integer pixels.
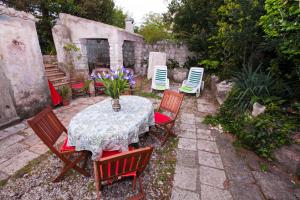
{"type": "Point", "coordinates": [123, 163]}
{"type": "Point", "coordinates": [171, 102]}
{"type": "Point", "coordinates": [47, 126]}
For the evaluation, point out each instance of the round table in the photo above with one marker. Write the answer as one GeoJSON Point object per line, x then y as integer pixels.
{"type": "Point", "coordinates": [99, 128]}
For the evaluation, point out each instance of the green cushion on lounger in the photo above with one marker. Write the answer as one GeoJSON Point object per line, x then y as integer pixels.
{"type": "Point", "coordinates": [186, 88]}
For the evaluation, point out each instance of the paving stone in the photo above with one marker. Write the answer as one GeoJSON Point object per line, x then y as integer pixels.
{"type": "Point", "coordinates": [205, 135]}
{"type": "Point", "coordinates": [6, 142]}
{"type": "Point", "coordinates": [16, 128]}
{"type": "Point", "coordinates": [187, 127]}
{"type": "Point", "coordinates": [12, 150]}
{"type": "Point", "coordinates": [188, 134]}
{"type": "Point", "coordinates": [274, 187]}
{"type": "Point", "coordinates": [212, 193]}
{"type": "Point", "coordinates": [4, 134]}
{"type": "Point", "coordinates": [199, 119]}
{"type": "Point", "coordinates": [185, 177]}
{"type": "Point", "coordinates": [186, 158]}
{"type": "Point", "coordinates": [209, 146]}
{"type": "Point", "coordinates": [32, 140]}
{"type": "Point", "coordinates": [242, 191]}
{"type": "Point", "coordinates": [180, 194]}
{"type": "Point", "coordinates": [207, 109]}
{"type": "Point", "coordinates": [14, 164]}
{"type": "Point", "coordinates": [213, 177]}
{"type": "Point", "coordinates": [187, 115]}
{"type": "Point", "coordinates": [3, 176]}
{"type": "Point", "coordinates": [187, 144]}
{"type": "Point", "coordinates": [210, 159]}
{"type": "Point", "coordinates": [190, 121]}
{"type": "Point", "coordinates": [39, 148]}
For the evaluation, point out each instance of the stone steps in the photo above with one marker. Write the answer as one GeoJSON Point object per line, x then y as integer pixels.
{"type": "Point", "coordinates": [53, 73]}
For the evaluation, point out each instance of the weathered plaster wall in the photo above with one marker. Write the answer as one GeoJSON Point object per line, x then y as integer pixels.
{"type": "Point", "coordinates": [21, 62]}
{"type": "Point", "coordinates": [71, 29]}
{"type": "Point", "coordinates": [176, 51]}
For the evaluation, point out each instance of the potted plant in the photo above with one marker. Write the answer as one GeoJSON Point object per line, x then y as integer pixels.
{"type": "Point", "coordinates": [115, 83]}
{"type": "Point", "coordinates": [64, 92]}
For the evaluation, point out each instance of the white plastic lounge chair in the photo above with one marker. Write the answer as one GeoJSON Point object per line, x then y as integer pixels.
{"type": "Point", "coordinates": [160, 79]}
{"type": "Point", "coordinates": [194, 82]}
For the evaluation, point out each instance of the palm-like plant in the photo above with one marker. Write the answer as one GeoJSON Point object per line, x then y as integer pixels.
{"type": "Point", "coordinates": [254, 85]}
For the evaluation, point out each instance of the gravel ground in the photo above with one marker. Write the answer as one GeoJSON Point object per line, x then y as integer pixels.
{"type": "Point", "coordinates": [36, 183]}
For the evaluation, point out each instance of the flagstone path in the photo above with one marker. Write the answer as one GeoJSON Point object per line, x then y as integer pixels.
{"type": "Point", "coordinates": [208, 166]}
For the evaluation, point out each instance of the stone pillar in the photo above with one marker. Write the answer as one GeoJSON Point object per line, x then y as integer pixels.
{"type": "Point", "coordinates": [138, 53]}
{"type": "Point", "coordinates": [115, 53]}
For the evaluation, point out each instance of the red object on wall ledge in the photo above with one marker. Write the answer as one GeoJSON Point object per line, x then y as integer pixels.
{"type": "Point", "coordinates": [55, 97]}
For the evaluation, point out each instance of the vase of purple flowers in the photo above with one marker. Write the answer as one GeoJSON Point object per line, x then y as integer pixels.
{"type": "Point", "coordinates": [115, 83]}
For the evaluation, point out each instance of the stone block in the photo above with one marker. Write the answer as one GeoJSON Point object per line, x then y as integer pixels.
{"type": "Point", "coordinates": [210, 159]}
{"type": "Point", "coordinates": [32, 140]}
{"type": "Point", "coordinates": [187, 127]}
{"type": "Point", "coordinates": [188, 134]}
{"type": "Point", "coordinates": [12, 150]}
{"type": "Point", "coordinates": [180, 194]}
{"type": "Point", "coordinates": [209, 146]}
{"type": "Point", "coordinates": [39, 148]}
{"type": "Point", "coordinates": [213, 177]}
{"type": "Point", "coordinates": [212, 193]}
{"type": "Point", "coordinates": [187, 144]}
{"type": "Point", "coordinates": [185, 178]}
{"type": "Point", "coordinates": [274, 187]}
{"type": "Point", "coordinates": [186, 157]}
{"type": "Point", "coordinates": [179, 74]}
{"type": "Point", "coordinates": [3, 176]}
{"type": "Point", "coordinates": [16, 163]}
{"type": "Point", "coordinates": [8, 141]}
{"type": "Point", "coordinates": [245, 191]}
{"type": "Point", "coordinates": [205, 135]}
{"type": "Point", "coordinates": [155, 58]}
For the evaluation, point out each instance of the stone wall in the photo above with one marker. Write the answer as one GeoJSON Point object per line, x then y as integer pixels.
{"type": "Point", "coordinates": [76, 30]}
{"type": "Point", "coordinates": [173, 50]}
{"type": "Point", "coordinates": [23, 82]}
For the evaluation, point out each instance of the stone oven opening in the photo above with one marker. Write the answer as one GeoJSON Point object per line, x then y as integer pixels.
{"type": "Point", "coordinates": [128, 54]}
{"type": "Point", "coordinates": [97, 50]}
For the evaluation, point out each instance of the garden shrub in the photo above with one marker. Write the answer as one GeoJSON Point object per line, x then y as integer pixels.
{"type": "Point", "coordinates": [263, 133]}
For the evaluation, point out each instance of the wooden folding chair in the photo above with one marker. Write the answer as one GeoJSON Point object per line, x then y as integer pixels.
{"type": "Point", "coordinates": [119, 165]}
{"type": "Point", "coordinates": [170, 103]}
{"type": "Point", "coordinates": [48, 128]}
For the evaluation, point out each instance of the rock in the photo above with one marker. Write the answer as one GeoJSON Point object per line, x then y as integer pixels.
{"type": "Point", "coordinates": [179, 74]}
{"type": "Point", "coordinates": [221, 90]}
{"type": "Point", "coordinates": [258, 109]}
{"type": "Point", "coordinates": [289, 158]}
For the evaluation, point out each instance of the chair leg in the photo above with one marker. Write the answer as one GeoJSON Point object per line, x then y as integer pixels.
{"type": "Point", "coordinates": [69, 165]}
{"type": "Point", "coordinates": [133, 183]}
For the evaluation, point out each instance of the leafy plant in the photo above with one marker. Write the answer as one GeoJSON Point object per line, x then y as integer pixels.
{"type": "Point", "coordinates": [210, 65]}
{"type": "Point", "coordinates": [116, 82]}
{"type": "Point", "coordinates": [64, 91]}
{"type": "Point", "coordinates": [172, 64]}
{"type": "Point", "coordinates": [253, 85]}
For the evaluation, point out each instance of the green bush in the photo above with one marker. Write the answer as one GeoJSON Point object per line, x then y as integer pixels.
{"type": "Point", "coordinates": [254, 86]}
{"type": "Point", "coordinates": [261, 134]}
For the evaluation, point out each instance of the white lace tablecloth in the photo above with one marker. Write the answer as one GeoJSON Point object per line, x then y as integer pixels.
{"type": "Point", "coordinates": [99, 128]}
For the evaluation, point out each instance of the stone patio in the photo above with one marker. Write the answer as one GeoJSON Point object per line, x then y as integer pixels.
{"type": "Point", "coordinates": [208, 166]}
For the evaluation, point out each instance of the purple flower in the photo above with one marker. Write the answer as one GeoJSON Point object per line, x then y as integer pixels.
{"type": "Point", "coordinates": [132, 82]}
{"type": "Point", "coordinates": [107, 76]}
{"type": "Point", "coordinates": [99, 76]}
{"type": "Point", "coordinates": [116, 76]}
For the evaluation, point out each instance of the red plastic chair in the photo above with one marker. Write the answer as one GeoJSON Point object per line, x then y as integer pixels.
{"type": "Point", "coordinates": [48, 128]}
{"type": "Point", "coordinates": [171, 103]}
{"type": "Point", "coordinates": [122, 164]}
